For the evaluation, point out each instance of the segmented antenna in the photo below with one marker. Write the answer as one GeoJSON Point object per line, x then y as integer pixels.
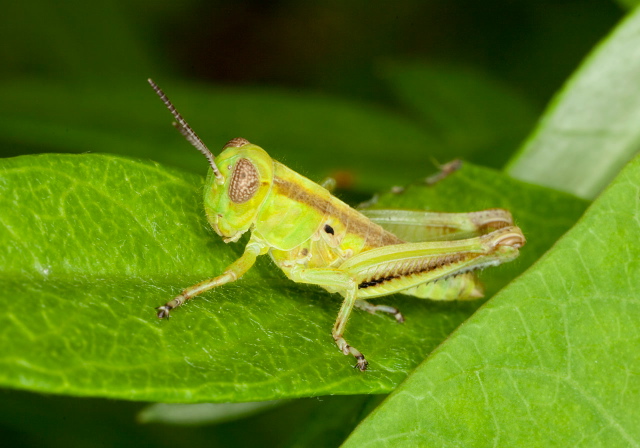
{"type": "Point", "coordinates": [183, 127]}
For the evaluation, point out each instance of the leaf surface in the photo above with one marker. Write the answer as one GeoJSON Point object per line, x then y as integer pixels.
{"type": "Point", "coordinates": [92, 243]}
{"type": "Point", "coordinates": [552, 360]}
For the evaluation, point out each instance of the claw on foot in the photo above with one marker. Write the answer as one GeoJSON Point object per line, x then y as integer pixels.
{"type": "Point", "coordinates": [348, 350]}
{"type": "Point", "coordinates": [163, 311]}
{"type": "Point", "coordinates": [362, 363]}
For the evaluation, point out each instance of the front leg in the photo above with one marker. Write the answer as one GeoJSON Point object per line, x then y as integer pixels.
{"type": "Point", "coordinates": [340, 281]}
{"type": "Point", "coordinates": [232, 273]}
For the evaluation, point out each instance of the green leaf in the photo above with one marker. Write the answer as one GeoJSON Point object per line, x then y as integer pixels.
{"type": "Point", "coordinates": [550, 361]}
{"type": "Point", "coordinates": [473, 115]}
{"type": "Point", "coordinates": [590, 129]}
{"type": "Point", "coordinates": [92, 243]}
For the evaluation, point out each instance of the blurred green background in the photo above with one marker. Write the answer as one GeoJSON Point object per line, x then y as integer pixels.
{"type": "Point", "coordinates": [332, 47]}
{"type": "Point", "coordinates": [304, 80]}
{"type": "Point", "coordinates": [330, 88]}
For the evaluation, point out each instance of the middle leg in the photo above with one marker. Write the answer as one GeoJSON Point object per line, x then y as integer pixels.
{"type": "Point", "coordinates": [342, 282]}
{"type": "Point", "coordinates": [371, 308]}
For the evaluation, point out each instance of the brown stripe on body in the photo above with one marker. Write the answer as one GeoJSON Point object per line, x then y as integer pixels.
{"type": "Point", "coordinates": [356, 223]}
{"type": "Point", "coordinates": [447, 230]}
{"type": "Point", "coordinates": [284, 188]}
{"type": "Point", "coordinates": [423, 265]}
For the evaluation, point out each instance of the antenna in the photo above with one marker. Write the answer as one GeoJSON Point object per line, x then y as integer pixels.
{"type": "Point", "coordinates": [183, 127]}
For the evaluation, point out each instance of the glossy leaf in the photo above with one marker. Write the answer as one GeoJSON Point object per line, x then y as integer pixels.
{"type": "Point", "coordinates": [590, 130]}
{"type": "Point", "coordinates": [92, 243]}
{"type": "Point", "coordinates": [552, 360]}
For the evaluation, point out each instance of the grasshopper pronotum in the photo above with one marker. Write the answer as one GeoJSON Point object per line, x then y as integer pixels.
{"type": "Point", "coordinates": [316, 238]}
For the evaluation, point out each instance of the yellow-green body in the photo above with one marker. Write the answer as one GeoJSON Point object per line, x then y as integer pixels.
{"type": "Point", "coordinates": [305, 226]}
{"type": "Point", "coordinates": [316, 238]}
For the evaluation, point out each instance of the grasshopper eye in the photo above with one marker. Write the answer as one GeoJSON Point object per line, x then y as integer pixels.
{"type": "Point", "coordinates": [244, 182]}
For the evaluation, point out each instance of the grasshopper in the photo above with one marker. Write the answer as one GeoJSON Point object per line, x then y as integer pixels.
{"type": "Point", "coordinates": [316, 238]}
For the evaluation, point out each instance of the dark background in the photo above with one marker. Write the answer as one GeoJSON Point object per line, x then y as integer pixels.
{"type": "Point", "coordinates": [332, 46]}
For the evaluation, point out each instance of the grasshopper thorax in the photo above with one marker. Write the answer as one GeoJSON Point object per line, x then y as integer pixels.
{"type": "Point", "coordinates": [233, 200]}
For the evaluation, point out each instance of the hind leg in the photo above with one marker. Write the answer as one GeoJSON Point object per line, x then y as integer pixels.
{"type": "Point", "coordinates": [371, 308]}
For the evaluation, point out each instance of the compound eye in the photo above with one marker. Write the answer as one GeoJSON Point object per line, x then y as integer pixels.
{"type": "Point", "coordinates": [244, 182]}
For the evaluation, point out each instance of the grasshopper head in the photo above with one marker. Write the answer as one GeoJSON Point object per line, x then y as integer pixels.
{"type": "Point", "coordinates": [233, 199]}
{"type": "Point", "coordinates": [238, 182]}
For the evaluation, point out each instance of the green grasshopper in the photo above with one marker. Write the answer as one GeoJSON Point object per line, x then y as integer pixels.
{"type": "Point", "coordinates": [316, 238]}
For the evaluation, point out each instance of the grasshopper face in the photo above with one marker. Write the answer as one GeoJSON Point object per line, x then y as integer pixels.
{"type": "Point", "coordinates": [233, 201]}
